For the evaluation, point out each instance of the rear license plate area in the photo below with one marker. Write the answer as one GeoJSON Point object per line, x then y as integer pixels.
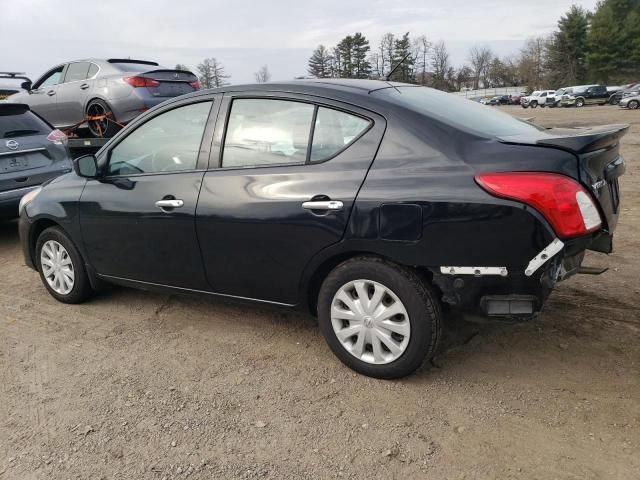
{"type": "Point", "coordinates": [13, 163]}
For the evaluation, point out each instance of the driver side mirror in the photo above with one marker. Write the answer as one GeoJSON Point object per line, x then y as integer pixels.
{"type": "Point", "coordinates": [86, 166]}
{"type": "Point", "coordinates": [26, 86]}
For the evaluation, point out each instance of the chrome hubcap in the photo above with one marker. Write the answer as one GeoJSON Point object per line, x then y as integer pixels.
{"type": "Point", "coordinates": [370, 321]}
{"type": "Point", "coordinates": [57, 267]}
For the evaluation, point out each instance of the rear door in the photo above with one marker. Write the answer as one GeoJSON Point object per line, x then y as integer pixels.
{"type": "Point", "coordinates": [283, 179]}
{"type": "Point", "coordinates": [72, 93]}
{"type": "Point", "coordinates": [138, 220]}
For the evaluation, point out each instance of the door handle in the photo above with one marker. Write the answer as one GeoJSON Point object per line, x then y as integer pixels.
{"type": "Point", "coordinates": [51, 93]}
{"type": "Point", "coordinates": [162, 204]}
{"type": "Point", "coordinates": [332, 205]}
{"type": "Point", "coordinates": [84, 86]}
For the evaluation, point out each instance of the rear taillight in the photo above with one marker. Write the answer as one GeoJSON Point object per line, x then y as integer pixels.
{"type": "Point", "coordinates": [138, 82]}
{"type": "Point", "coordinates": [565, 204]}
{"type": "Point", "coordinates": [196, 85]}
{"type": "Point", "coordinates": [58, 137]}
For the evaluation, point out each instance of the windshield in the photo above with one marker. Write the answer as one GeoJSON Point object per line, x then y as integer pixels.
{"type": "Point", "coordinates": [456, 111]}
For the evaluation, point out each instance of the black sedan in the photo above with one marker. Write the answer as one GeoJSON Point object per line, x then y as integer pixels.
{"type": "Point", "coordinates": [371, 204]}
{"type": "Point", "coordinates": [31, 152]}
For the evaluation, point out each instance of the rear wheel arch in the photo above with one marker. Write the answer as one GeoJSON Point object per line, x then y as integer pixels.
{"type": "Point", "coordinates": [320, 273]}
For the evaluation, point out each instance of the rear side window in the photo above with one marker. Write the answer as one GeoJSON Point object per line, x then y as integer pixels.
{"type": "Point", "coordinates": [76, 71]}
{"type": "Point", "coordinates": [334, 131]}
{"type": "Point", "coordinates": [21, 123]}
{"type": "Point", "coordinates": [169, 142]}
{"type": "Point", "coordinates": [93, 69]}
{"type": "Point", "coordinates": [267, 132]}
{"type": "Point", "coordinates": [456, 111]}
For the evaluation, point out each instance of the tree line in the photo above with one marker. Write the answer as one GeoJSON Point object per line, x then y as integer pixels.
{"type": "Point", "coordinates": [212, 74]}
{"type": "Point", "coordinates": [602, 46]}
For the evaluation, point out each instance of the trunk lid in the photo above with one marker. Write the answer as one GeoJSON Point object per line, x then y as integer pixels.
{"type": "Point", "coordinates": [600, 164]}
{"type": "Point", "coordinates": [172, 82]}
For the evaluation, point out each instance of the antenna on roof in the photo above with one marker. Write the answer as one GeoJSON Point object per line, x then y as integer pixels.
{"type": "Point", "coordinates": [396, 67]}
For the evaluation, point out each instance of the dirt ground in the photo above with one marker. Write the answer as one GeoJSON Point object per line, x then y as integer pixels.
{"type": "Point", "coordinates": [135, 385]}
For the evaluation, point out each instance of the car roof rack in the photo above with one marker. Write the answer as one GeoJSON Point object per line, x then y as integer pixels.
{"type": "Point", "coordinates": [14, 75]}
{"type": "Point", "coordinates": [130, 60]}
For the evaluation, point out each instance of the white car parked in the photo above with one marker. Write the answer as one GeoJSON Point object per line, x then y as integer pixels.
{"type": "Point", "coordinates": [539, 97]}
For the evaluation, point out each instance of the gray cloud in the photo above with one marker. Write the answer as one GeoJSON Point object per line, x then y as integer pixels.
{"type": "Point", "coordinates": [245, 34]}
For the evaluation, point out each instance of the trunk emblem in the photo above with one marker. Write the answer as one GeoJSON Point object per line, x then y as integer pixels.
{"type": "Point", "coordinates": [12, 144]}
{"type": "Point", "coordinates": [599, 184]}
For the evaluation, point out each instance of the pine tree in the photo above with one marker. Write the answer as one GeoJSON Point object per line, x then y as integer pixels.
{"type": "Point", "coordinates": [614, 41]}
{"type": "Point", "coordinates": [402, 49]}
{"type": "Point", "coordinates": [320, 63]}
{"type": "Point", "coordinates": [567, 49]}
{"type": "Point", "coordinates": [361, 68]}
{"type": "Point", "coordinates": [345, 49]}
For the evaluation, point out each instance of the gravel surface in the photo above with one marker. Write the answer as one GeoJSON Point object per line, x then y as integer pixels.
{"type": "Point", "coordinates": [134, 385]}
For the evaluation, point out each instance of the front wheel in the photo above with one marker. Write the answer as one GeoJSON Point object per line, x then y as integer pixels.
{"type": "Point", "coordinates": [61, 267]}
{"type": "Point", "coordinates": [379, 318]}
{"type": "Point", "coordinates": [579, 103]}
{"type": "Point", "coordinates": [633, 104]}
{"type": "Point", "coordinates": [533, 104]}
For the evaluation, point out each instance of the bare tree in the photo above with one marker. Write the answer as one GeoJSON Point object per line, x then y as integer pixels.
{"type": "Point", "coordinates": [441, 66]}
{"type": "Point", "coordinates": [262, 75]}
{"type": "Point", "coordinates": [211, 73]}
{"type": "Point", "coordinates": [421, 49]}
{"type": "Point", "coordinates": [480, 58]}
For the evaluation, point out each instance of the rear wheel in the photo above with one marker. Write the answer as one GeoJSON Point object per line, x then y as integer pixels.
{"type": "Point", "coordinates": [633, 104]}
{"type": "Point", "coordinates": [61, 267]}
{"type": "Point", "coordinates": [379, 318]}
{"type": "Point", "coordinates": [100, 119]}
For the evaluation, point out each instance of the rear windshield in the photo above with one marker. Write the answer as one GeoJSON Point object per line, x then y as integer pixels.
{"type": "Point", "coordinates": [21, 124]}
{"type": "Point", "coordinates": [456, 111]}
{"type": "Point", "coordinates": [134, 67]}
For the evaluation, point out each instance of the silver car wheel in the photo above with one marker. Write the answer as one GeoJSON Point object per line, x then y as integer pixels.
{"type": "Point", "coordinates": [57, 267]}
{"type": "Point", "coordinates": [370, 321]}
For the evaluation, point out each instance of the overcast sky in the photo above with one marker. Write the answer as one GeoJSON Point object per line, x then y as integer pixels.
{"type": "Point", "coordinates": [242, 34]}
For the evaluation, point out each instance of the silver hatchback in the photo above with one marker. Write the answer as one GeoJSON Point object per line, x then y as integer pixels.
{"type": "Point", "coordinates": [105, 93]}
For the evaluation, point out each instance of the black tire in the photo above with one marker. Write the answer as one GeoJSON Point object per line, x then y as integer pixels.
{"type": "Point", "coordinates": [524, 106]}
{"type": "Point", "coordinates": [81, 289]}
{"type": "Point", "coordinates": [422, 307]}
{"type": "Point", "coordinates": [633, 104]}
{"type": "Point", "coordinates": [105, 128]}
{"type": "Point", "coordinates": [533, 104]}
{"type": "Point", "coordinates": [579, 102]}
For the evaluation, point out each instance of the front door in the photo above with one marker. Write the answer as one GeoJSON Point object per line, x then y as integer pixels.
{"type": "Point", "coordinates": [138, 220]}
{"type": "Point", "coordinates": [43, 97]}
{"type": "Point", "coordinates": [285, 179]}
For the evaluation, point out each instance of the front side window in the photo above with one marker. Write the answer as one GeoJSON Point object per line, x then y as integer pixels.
{"type": "Point", "coordinates": [52, 78]}
{"type": "Point", "coordinates": [76, 71]}
{"type": "Point", "coordinates": [169, 142]}
{"type": "Point", "coordinates": [334, 131]}
{"type": "Point", "coordinates": [267, 132]}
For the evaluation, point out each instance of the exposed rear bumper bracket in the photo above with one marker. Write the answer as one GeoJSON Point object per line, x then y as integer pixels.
{"type": "Point", "coordinates": [547, 252]}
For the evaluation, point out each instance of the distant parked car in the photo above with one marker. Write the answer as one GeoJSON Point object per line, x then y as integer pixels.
{"type": "Point", "coordinates": [554, 100]}
{"type": "Point", "coordinates": [31, 152]}
{"type": "Point", "coordinates": [586, 95]}
{"type": "Point", "coordinates": [115, 91]}
{"type": "Point", "coordinates": [629, 91]}
{"type": "Point", "coordinates": [537, 98]}
{"type": "Point", "coordinates": [632, 102]}
{"type": "Point", "coordinates": [500, 100]}
{"type": "Point", "coordinates": [515, 99]}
